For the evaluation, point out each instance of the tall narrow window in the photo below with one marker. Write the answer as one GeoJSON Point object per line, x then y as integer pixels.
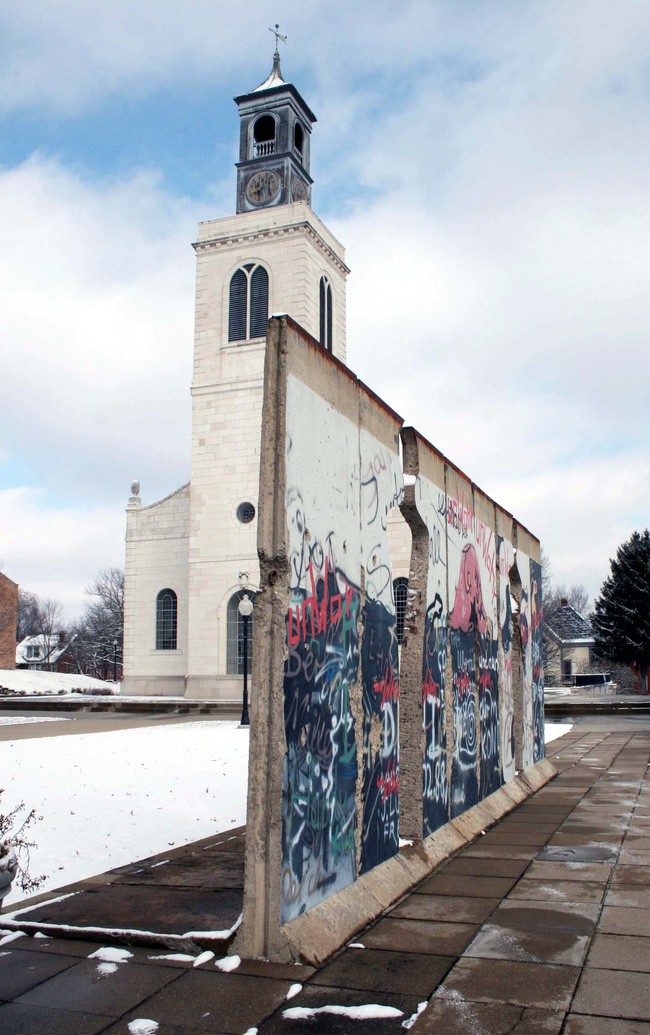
{"type": "Point", "coordinates": [400, 590]}
{"type": "Point", "coordinates": [235, 637]}
{"type": "Point", "coordinates": [298, 138]}
{"type": "Point", "coordinates": [166, 620]}
{"type": "Point", "coordinates": [248, 310]}
{"type": "Point", "coordinates": [325, 312]}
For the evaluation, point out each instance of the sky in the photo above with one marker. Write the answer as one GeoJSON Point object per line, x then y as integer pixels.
{"type": "Point", "coordinates": [485, 164]}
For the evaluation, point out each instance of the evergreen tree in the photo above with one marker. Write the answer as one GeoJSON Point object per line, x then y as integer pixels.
{"type": "Point", "coordinates": [621, 620]}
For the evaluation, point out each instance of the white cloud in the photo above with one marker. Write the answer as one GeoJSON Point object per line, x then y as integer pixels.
{"type": "Point", "coordinates": [486, 165]}
{"type": "Point", "coordinates": [54, 550]}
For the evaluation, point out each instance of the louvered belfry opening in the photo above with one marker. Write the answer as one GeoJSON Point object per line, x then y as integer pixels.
{"type": "Point", "coordinates": [259, 302]}
{"type": "Point", "coordinates": [325, 314]}
{"type": "Point", "coordinates": [248, 303]}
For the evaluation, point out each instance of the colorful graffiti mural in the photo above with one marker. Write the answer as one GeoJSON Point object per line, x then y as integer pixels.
{"type": "Point", "coordinates": [537, 662]}
{"type": "Point", "coordinates": [381, 489]}
{"type": "Point", "coordinates": [507, 711]}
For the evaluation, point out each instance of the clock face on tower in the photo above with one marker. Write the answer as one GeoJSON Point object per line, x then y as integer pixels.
{"type": "Point", "coordinates": [263, 187]}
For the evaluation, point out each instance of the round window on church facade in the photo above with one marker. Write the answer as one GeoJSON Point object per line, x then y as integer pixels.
{"type": "Point", "coordinates": [245, 513]}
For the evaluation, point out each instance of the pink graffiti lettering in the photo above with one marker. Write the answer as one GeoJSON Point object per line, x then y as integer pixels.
{"type": "Point", "coordinates": [388, 784]}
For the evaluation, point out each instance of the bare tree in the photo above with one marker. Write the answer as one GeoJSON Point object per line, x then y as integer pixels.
{"type": "Point", "coordinates": [96, 639]}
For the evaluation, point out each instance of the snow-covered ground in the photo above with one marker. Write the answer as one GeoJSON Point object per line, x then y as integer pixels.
{"type": "Point", "coordinates": [25, 681]}
{"type": "Point", "coordinates": [108, 799]}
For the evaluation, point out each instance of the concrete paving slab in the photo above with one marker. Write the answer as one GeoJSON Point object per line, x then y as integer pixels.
{"type": "Point", "coordinates": [576, 871]}
{"type": "Point", "coordinates": [214, 1002]}
{"type": "Point", "coordinates": [581, 1024]}
{"type": "Point", "coordinates": [125, 906]}
{"type": "Point", "coordinates": [577, 918]}
{"type": "Point", "coordinates": [20, 971]}
{"type": "Point", "coordinates": [450, 908]}
{"type": "Point", "coordinates": [315, 997]}
{"type": "Point", "coordinates": [29, 1020]}
{"type": "Point", "coordinates": [558, 891]}
{"type": "Point", "coordinates": [620, 952]}
{"type": "Point", "coordinates": [624, 920]}
{"type": "Point", "coordinates": [525, 984]}
{"type": "Point", "coordinates": [62, 946]}
{"type": "Point", "coordinates": [517, 836]}
{"type": "Point", "coordinates": [444, 883]}
{"type": "Point", "coordinates": [629, 895]}
{"type": "Point", "coordinates": [482, 851]}
{"type": "Point", "coordinates": [471, 866]}
{"type": "Point", "coordinates": [90, 987]}
{"type": "Point", "coordinates": [577, 853]}
{"type": "Point", "coordinates": [533, 945]}
{"type": "Point", "coordinates": [400, 934]}
{"type": "Point", "coordinates": [630, 875]}
{"type": "Point", "coordinates": [613, 993]}
{"type": "Point", "coordinates": [465, 1017]}
{"type": "Point", "coordinates": [379, 971]}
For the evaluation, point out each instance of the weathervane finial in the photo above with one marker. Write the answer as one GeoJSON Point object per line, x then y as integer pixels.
{"type": "Point", "coordinates": [278, 36]}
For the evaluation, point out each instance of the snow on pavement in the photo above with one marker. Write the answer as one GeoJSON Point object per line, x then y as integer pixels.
{"type": "Point", "coordinates": [109, 799]}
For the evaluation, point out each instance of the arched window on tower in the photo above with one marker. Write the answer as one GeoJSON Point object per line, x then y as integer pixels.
{"type": "Point", "coordinates": [235, 636]}
{"type": "Point", "coordinates": [400, 592]}
{"type": "Point", "coordinates": [264, 136]}
{"type": "Point", "coordinates": [298, 140]}
{"type": "Point", "coordinates": [325, 311]}
{"type": "Point", "coordinates": [166, 620]}
{"type": "Point", "coordinates": [248, 305]}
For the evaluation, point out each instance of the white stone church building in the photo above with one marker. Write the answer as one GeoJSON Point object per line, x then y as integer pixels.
{"type": "Point", "coordinates": [192, 555]}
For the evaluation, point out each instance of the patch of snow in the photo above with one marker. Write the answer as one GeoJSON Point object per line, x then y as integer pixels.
{"type": "Point", "coordinates": [228, 963]}
{"type": "Point", "coordinates": [12, 937]}
{"type": "Point", "coordinates": [14, 720]}
{"type": "Point", "coordinates": [144, 799]}
{"type": "Point", "coordinates": [404, 842]}
{"type": "Point", "coordinates": [105, 969]}
{"type": "Point", "coordinates": [22, 682]}
{"type": "Point", "coordinates": [553, 730]}
{"type": "Point", "coordinates": [410, 1021]}
{"type": "Point", "coordinates": [203, 957]}
{"type": "Point", "coordinates": [111, 954]}
{"type": "Point", "coordinates": [5, 953]}
{"type": "Point", "coordinates": [251, 1031]}
{"type": "Point", "coordinates": [356, 1013]}
{"type": "Point", "coordinates": [143, 1026]}
{"type": "Point", "coordinates": [180, 957]}
{"type": "Point", "coordinates": [294, 990]}
{"type": "Point", "coordinates": [50, 902]}
{"type": "Point", "coordinates": [356, 945]}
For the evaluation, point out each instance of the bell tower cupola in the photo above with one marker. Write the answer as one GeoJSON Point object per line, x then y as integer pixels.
{"type": "Point", "coordinates": [275, 131]}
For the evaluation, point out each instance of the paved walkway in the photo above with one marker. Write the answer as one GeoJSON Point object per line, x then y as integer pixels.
{"type": "Point", "coordinates": [540, 926]}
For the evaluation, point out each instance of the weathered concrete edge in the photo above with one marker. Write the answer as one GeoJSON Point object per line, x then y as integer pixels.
{"type": "Point", "coordinates": [315, 936]}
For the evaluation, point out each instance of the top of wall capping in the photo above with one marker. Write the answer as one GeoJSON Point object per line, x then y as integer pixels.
{"type": "Point", "coordinates": [473, 484]}
{"type": "Point", "coordinates": [329, 357]}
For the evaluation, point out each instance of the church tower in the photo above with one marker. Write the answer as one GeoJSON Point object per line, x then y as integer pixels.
{"type": "Point", "coordinates": [198, 546]}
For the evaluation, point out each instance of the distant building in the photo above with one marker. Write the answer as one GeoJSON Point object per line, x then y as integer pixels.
{"type": "Point", "coordinates": [8, 610]}
{"type": "Point", "coordinates": [573, 637]}
{"type": "Point", "coordinates": [43, 652]}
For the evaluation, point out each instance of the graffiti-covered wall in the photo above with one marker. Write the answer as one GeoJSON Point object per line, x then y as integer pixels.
{"type": "Point", "coordinates": [346, 700]}
{"type": "Point", "coordinates": [341, 685]}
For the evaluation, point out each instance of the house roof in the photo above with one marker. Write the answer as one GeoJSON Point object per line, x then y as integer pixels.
{"type": "Point", "coordinates": [568, 626]}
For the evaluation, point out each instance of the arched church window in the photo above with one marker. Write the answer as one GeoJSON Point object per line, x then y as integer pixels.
{"type": "Point", "coordinates": [325, 312]}
{"type": "Point", "coordinates": [248, 308]}
{"type": "Point", "coordinates": [264, 136]}
{"type": "Point", "coordinates": [235, 636]}
{"type": "Point", "coordinates": [298, 140]}
{"type": "Point", "coordinates": [166, 620]}
{"type": "Point", "coordinates": [400, 592]}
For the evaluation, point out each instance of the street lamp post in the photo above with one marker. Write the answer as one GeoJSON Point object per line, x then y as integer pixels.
{"type": "Point", "coordinates": [245, 608]}
{"type": "Point", "coordinates": [115, 661]}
